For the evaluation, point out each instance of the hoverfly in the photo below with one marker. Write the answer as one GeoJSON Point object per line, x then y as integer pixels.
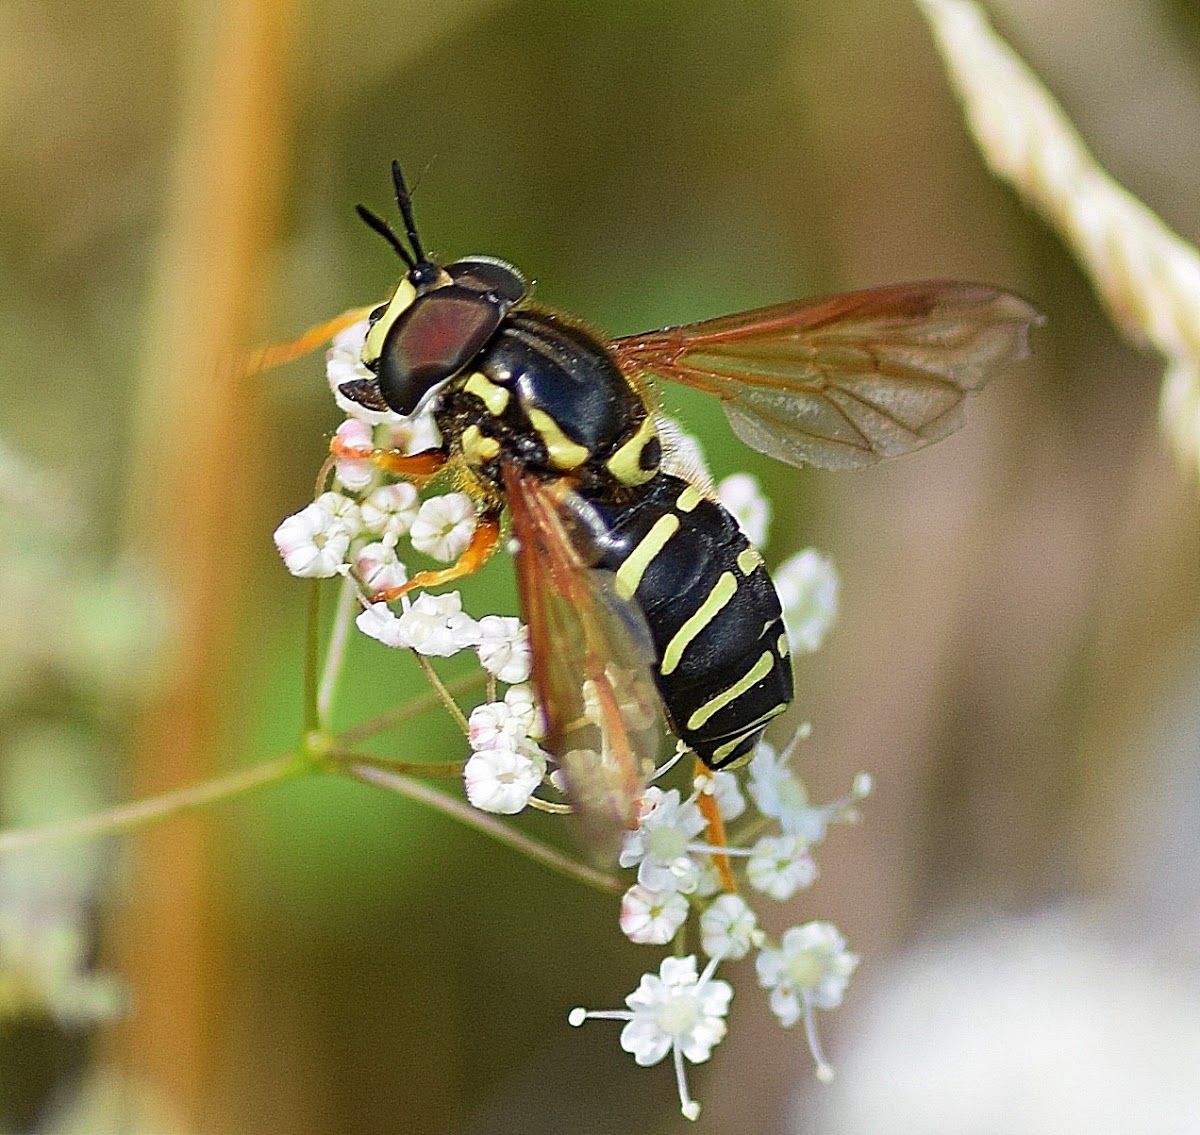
{"type": "Point", "coordinates": [640, 591]}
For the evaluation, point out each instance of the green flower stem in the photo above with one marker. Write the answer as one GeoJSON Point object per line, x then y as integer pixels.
{"type": "Point", "coordinates": [481, 821]}
{"type": "Point", "coordinates": [312, 654]}
{"type": "Point", "coordinates": [443, 692]}
{"type": "Point", "coordinates": [155, 809]}
{"type": "Point", "coordinates": [320, 754]}
{"type": "Point", "coordinates": [397, 716]}
{"type": "Point", "coordinates": [335, 653]}
{"type": "Point", "coordinates": [440, 770]}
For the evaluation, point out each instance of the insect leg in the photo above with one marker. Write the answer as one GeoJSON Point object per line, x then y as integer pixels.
{"type": "Point", "coordinates": [483, 543]}
{"type": "Point", "coordinates": [416, 467]}
{"type": "Point", "coordinates": [715, 834]}
{"type": "Point", "coordinates": [276, 354]}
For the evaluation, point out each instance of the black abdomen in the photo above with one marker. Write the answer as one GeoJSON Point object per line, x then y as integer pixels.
{"type": "Point", "coordinates": [723, 665]}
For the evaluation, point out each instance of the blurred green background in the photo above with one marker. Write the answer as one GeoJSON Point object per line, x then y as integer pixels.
{"type": "Point", "coordinates": [1016, 659]}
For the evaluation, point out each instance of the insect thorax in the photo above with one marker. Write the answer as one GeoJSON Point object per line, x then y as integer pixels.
{"type": "Point", "coordinates": [548, 396]}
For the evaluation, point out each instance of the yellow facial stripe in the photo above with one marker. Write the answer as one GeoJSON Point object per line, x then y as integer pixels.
{"type": "Point", "coordinates": [494, 397]}
{"type": "Point", "coordinates": [402, 299]}
{"type": "Point", "coordinates": [478, 449]}
{"type": "Point", "coordinates": [562, 451]}
{"type": "Point", "coordinates": [751, 678]}
{"type": "Point", "coordinates": [722, 591]}
{"type": "Point", "coordinates": [630, 573]}
{"type": "Point", "coordinates": [688, 499]}
{"type": "Point", "coordinates": [748, 559]}
{"type": "Point", "coordinates": [626, 463]}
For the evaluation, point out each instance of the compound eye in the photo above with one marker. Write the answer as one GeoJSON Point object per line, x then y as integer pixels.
{"type": "Point", "coordinates": [431, 341]}
{"type": "Point", "coordinates": [492, 277]}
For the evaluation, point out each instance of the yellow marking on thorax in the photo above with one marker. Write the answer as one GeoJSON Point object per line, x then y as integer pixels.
{"type": "Point", "coordinates": [782, 646]}
{"type": "Point", "coordinates": [722, 591]}
{"type": "Point", "coordinates": [563, 452]}
{"type": "Point", "coordinates": [688, 499]}
{"type": "Point", "coordinates": [751, 678]}
{"type": "Point", "coordinates": [630, 573]}
{"type": "Point", "coordinates": [748, 559]}
{"type": "Point", "coordinates": [478, 449]}
{"type": "Point", "coordinates": [494, 397]}
{"type": "Point", "coordinates": [626, 463]}
{"type": "Point", "coordinates": [401, 300]}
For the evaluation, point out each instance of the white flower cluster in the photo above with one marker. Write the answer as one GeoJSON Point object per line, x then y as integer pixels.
{"type": "Point", "coordinates": [356, 529]}
{"type": "Point", "coordinates": [678, 876]}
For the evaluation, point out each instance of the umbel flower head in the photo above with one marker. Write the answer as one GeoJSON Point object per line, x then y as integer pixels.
{"type": "Point", "coordinates": [708, 851]}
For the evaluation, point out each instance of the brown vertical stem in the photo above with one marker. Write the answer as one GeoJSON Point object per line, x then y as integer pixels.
{"type": "Point", "coordinates": [192, 471]}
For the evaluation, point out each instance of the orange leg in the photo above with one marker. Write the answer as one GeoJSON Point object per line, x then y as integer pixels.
{"type": "Point", "coordinates": [715, 835]}
{"type": "Point", "coordinates": [415, 467]}
{"type": "Point", "coordinates": [483, 544]}
{"type": "Point", "coordinates": [276, 354]}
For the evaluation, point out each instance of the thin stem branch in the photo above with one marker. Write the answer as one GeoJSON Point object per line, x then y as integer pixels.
{"type": "Point", "coordinates": [312, 652]}
{"type": "Point", "coordinates": [154, 809]}
{"type": "Point", "coordinates": [447, 698]}
{"type": "Point", "coordinates": [440, 770]}
{"type": "Point", "coordinates": [401, 714]}
{"type": "Point", "coordinates": [481, 821]}
{"type": "Point", "coordinates": [335, 653]}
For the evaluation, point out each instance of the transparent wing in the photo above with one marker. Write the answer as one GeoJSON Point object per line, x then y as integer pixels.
{"type": "Point", "coordinates": [844, 381]}
{"type": "Point", "coordinates": [592, 657]}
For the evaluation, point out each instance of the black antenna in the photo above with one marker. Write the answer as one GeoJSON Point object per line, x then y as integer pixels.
{"type": "Point", "coordinates": [405, 202]}
{"type": "Point", "coordinates": [385, 230]}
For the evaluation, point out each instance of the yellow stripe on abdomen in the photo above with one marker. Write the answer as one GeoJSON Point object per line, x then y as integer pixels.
{"type": "Point", "coordinates": [722, 591]}
{"type": "Point", "coordinates": [630, 573]}
{"type": "Point", "coordinates": [751, 678]}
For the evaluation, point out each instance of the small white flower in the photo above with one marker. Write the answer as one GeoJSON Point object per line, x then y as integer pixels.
{"type": "Point", "coordinates": [810, 970]}
{"type": "Point", "coordinates": [780, 866]}
{"type": "Point", "coordinates": [780, 794]}
{"type": "Point", "coordinates": [437, 625]}
{"type": "Point", "coordinates": [389, 511]}
{"type": "Point", "coordinates": [444, 526]}
{"type": "Point", "coordinates": [808, 590]}
{"type": "Point", "coordinates": [378, 568]}
{"type": "Point", "coordinates": [432, 625]}
{"type": "Point", "coordinates": [504, 648]}
{"type": "Point", "coordinates": [519, 699]}
{"type": "Point", "coordinates": [355, 473]}
{"type": "Point", "coordinates": [728, 928]}
{"type": "Point", "coordinates": [671, 1011]}
{"type": "Point", "coordinates": [315, 540]}
{"type": "Point", "coordinates": [501, 723]}
{"type": "Point", "coordinates": [742, 497]}
{"type": "Point", "coordinates": [652, 917]}
{"type": "Point", "coordinates": [344, 510]}
{"type": "Point", "coordinates": [379, 622]}
{"type": "Point", "coordinates": [659, 845]}
{"type": "Point", "coordinates": [502, 779]}
{"type": "Point", "coordinates": [728, 794]}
